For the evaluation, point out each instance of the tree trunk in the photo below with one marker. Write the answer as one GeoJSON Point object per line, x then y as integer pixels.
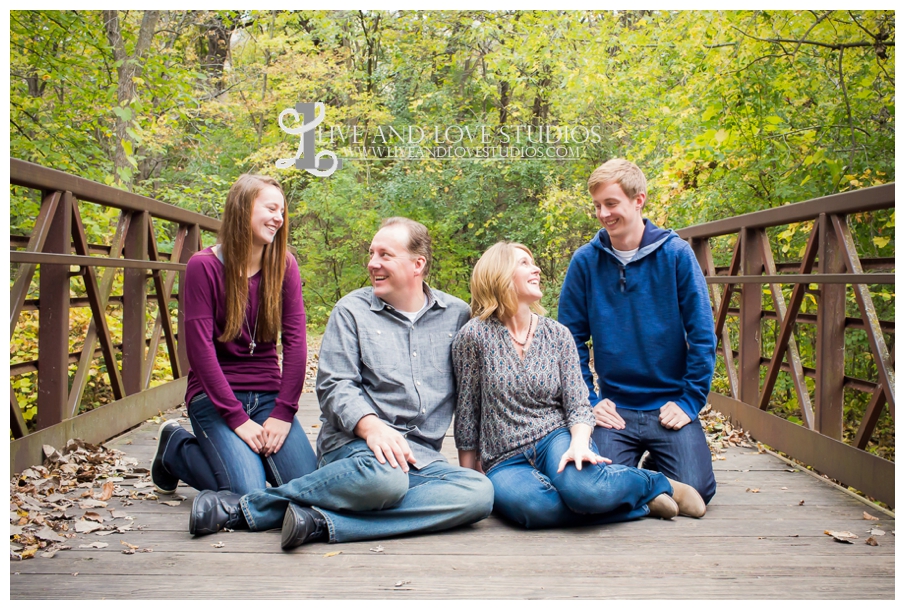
{"type": "Point", "coordinates": [128, 68]}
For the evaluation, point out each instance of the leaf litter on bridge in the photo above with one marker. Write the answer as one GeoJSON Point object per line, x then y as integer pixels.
{"type": "Point", "coordinates": [67, 497]}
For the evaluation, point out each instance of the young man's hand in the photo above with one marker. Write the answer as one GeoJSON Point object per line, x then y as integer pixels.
{"type": "Point", "coordinates": [605, 415]}
{"type": "Point", "coordinates": [385, 442]}
{"type": "Point", "coordinates": [673, 417]}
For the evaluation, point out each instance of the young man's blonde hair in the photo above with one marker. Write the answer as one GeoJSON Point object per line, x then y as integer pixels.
{"type": "Point", "coordinates": [492, 290]}
{"type": "Point", "coordinates": [624, 173]}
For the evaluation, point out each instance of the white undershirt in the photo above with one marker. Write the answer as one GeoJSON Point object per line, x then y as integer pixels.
{"type": "Point", "coordinates": [411, 315]}
{"type": "Point", "coordinates": [625, 255]}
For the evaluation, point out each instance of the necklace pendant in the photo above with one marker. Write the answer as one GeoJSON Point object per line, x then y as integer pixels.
{"type": "Point", "coordinates": [251, 348]}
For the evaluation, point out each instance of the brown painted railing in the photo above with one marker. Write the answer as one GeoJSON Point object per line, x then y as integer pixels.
{"type": "Point", "coordinates": [57, 244]}
{"type": "Point", "coordinates": [830, 261]}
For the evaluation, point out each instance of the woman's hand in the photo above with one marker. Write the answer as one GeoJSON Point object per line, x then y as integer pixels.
{"type": "Point", "coordinates": [580, 449]}
{"type": "Point", "coordinates": [253, 435]}
{"type": "Point", "coordinates": [276, 431]}
{"type": "Point", "coordinates": [579, 454]}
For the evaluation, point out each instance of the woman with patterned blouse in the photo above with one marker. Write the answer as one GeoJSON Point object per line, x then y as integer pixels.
{"type": "Point", "coordinates": [522, 403]}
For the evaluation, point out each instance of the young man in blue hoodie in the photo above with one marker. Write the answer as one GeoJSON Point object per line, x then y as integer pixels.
{"type": "Point", "coordinates": [637, 292]}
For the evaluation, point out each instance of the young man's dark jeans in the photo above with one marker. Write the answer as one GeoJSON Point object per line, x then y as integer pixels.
{"type": "Point", "coordinates": [682, 455]}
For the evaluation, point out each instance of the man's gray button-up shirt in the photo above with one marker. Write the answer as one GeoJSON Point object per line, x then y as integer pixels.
{"type": "Point", "coordinates": [374, 360]}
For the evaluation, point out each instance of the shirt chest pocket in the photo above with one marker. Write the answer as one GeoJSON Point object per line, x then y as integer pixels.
{"type": "Point", "coordinates": [381, 350]}
{"type": "Point", "coordinates": [441, 351]}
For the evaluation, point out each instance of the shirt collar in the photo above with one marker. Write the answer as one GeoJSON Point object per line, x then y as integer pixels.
{"type": "Point", "coordinates": [378, 304]}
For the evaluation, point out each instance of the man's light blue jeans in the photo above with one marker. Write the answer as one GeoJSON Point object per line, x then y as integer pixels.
{"type": "Point", "coordinates": [361, 499]}
{"type": "Point", "coordinates": [529, 491]}
{"type": "Point", "coordinates": [682, 455]}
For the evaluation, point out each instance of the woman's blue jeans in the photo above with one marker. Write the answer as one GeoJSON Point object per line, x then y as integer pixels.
{"type": "Point", "coordinates": [528, 490]}
{"type": "Point", "coordinates": [216, 458]}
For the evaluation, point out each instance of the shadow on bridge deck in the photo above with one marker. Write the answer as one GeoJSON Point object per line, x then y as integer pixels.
{"type": "Point", "coordinates": [766, 544]}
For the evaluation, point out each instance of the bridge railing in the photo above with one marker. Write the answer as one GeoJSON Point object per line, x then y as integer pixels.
{"type": "Point", "coordinates": [59, 250]}
{"type": "Point", "coordinates": [829, 266]}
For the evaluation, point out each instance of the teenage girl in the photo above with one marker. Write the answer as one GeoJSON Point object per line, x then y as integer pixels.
{"type": "Point", "coordinates": [241, 296]}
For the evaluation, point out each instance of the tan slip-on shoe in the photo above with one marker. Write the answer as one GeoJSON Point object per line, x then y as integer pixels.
{"type": "Point", "coordinates": [663, 507]}
{"type": "Point", "coordinates": [690, 502]}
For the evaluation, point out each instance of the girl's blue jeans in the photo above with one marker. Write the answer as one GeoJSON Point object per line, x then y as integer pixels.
{"type": "Point", "coordinates": [528, 490]}
{"type": "Point", "coordinates": [216, 458]}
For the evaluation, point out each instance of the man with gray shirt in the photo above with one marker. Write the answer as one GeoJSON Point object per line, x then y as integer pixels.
{"type": "Point", "coordinates": [387, 394]}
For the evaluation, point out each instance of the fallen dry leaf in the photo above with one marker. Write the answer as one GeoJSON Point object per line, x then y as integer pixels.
{"type": "Point", "coordinates": [333, 554]}
{"type": "Point", "coordinates": [753, 490]}
{"type": "Point", "coordinates": [93, 517]}
{"type": "Point", "coordinates": [801, 503]}
{"type": "Point", "coordinates": [376, 549]}
{"type": "Point", "coordinates": [783, 487]}
{"type": "Point", "coordinates": [171, 503]}
{"type": "Point", "coordinates": [86, 527]}
{"type": "Point", "coordinates": [872, 541]}
{"type": "Point", "coordinates": [845, 537]}
{"type": "Point", "coordinates": [94, 545]}
{"type": "Point", "coordinates": [402, 582]}
{"type": "Point", "coordinates": [876, 531]}
{"type": "Point", "coordinates": [106, 491]}
{"type": "Point", "coordinates": [868, 517]}
{"type": "Point", "coordinates": [92, 503]}
{"type": "Point", "coordinates": [131, 546]}
{"type": "Point", "coordinates": [218, 545]}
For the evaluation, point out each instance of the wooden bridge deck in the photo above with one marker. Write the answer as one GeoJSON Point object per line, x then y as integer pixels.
{"type": "Point", "coordinates": [750, 545]}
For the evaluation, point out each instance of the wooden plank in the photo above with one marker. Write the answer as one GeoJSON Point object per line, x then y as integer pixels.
{"type": "Point", "coordinates": [785, 342]}
{"type": "Point", "coordinates": [98, 311]}
{"type": "Point", "coordinates": [862, 200]}
{"type": "Point", "coordinates": [830, 336]}
{"type": "Point", "coordinates": [53, 323]}
{"type": "Point", "coordinates": [868, 313]}
{"type": "Point", "coordinates": [34, 176]}
{"type": "Point", "coordinates": [96, 425]}
{"type": "Point", "coordinates": [868, 473]}
{"type": "Point", "coordinates": [26, 272]}
{"type": "Point", "coordinates": [86, 356]}
{"type": "Point", "coordinates": [293, 582]}
{"type": "Point", "coordinates": [749, 325]}
{"type": "Point", "coordinates": [135, 305]}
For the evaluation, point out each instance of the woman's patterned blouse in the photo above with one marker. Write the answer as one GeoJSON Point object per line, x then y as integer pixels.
{"type": "Point", "coordinates": [505, 402]}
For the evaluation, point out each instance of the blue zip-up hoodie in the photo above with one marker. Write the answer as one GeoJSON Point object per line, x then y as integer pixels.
{"type": "Point", "coordinates": [650, 320]}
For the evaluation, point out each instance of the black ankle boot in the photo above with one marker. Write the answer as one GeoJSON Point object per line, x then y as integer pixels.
{"type": "Point", "coordinates": [213, 511]}
{"type": "Point", "coordinates": [301, 525]}
{"type": "Point", "coordinates": [164, 482]}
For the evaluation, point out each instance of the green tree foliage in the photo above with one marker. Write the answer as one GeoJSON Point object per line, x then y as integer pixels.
{"type": "Point", "coordinates": [727, 112]}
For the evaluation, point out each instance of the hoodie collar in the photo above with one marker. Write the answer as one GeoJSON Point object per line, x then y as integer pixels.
{"type": "Point", "coordinates": [652, 238]}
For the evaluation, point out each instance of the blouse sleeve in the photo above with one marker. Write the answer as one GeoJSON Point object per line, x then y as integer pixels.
{"type": "Point", "coordinates": [467, 367]}
{"type": "Point", "coordinates": [295, 344]}
{"type": "Point", "coordinates": [575, 403]}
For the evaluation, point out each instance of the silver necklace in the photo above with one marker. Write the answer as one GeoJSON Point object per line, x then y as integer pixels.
{"type": "Point", "coordinates": [252, 345]}
{"type": "Point", "coordinates": [528, 334]}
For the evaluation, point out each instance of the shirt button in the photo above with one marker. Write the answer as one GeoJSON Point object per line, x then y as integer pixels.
{"type": "Point", "coordinates": [378, 332]}
{"type": "Point", "coordinates": [417, 383]}
{"type": "Point", "coordinates": [414, 353]}
{"type": "Point", "coordinates": [424, 410]}
{"type": "Point", "coordinates": [450, 334]}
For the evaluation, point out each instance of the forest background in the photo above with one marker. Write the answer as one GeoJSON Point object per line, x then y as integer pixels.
{"type": "Point", "coordinates": [727, 112]}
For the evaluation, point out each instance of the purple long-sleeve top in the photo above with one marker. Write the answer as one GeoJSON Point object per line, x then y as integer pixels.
{"type": "Point", "coordinates": [219, 369]}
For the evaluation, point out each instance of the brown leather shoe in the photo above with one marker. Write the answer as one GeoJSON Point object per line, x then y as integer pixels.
{"type": "Point", "coordinates": [663, 507]}
{"type": "Point", "coordinates": [690, 502]}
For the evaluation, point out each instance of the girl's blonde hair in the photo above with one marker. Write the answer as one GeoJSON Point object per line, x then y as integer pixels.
{"type": "Point", "coordinates": [492, 290]}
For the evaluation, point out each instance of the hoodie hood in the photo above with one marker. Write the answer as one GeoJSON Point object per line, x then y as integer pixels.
{"type": "Point", "coordinates": [652, 238]}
